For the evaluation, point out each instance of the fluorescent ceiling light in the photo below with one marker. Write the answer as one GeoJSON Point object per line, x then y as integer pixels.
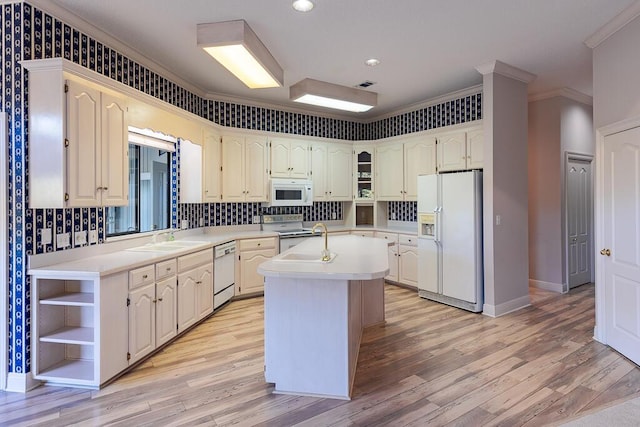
{"type": "Point", "coordinates": [323, 94]}
{"type": "Point", "coordinates": [234, 45]}
{"type": "Point", "coordinates": [302, 5]}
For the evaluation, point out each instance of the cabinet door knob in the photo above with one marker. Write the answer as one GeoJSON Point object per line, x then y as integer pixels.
{"type": "Point", "coordinates": [159, 299]}
{"type": "Point", "coordinates": [154, 300]}
{"type": "Point", "coordinates": [105, 188]}
{"type": "Point", "coordinates": [145, 276]}
{"type": "Point", "coordinates": [606, 252]}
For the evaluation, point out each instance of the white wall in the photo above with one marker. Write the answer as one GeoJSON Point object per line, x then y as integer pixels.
{"type": "Point", "coordinates": [505, 194]}
{"type": "Point", "coordinates": [616, 76]}
{"type": "Point", "coordinates": [545, 182]}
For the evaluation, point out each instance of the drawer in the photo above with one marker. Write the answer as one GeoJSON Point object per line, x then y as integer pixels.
{"type": "Point", "coordinates": [407, 240]}
{"type": "Point", "coordinates": [392, 237]}
{"type": "Point", "coordinates": [363, 233]}
{"type": "Point", "coordinates": [253, 244]}
{"type": "Point", "coordinates": [166, 269]}
{"type": "Point", "coordinates": [187, 262]}
{"type": "Point", "coordinates": [141, 276]}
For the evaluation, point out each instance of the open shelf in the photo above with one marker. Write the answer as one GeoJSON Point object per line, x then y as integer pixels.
{"type": "Point", "coordinates": [69, 370]}
{"type": "Point", "coordinates": [70, 335]}
{"type": "Point", "coordinates": [70, 299]}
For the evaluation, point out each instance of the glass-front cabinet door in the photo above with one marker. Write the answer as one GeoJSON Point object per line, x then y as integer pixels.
{"type": "Point", "coordinates": [363, 177]}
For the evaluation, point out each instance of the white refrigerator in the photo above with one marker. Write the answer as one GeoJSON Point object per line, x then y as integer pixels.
{"type": "Point", "coordinates": [450, 266]}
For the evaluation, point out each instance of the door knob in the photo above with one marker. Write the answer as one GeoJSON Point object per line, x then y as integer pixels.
{"type": "Point", "coordinates": [606, 252]}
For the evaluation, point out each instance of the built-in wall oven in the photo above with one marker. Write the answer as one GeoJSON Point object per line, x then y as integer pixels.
{"type": "Point", "coordinates": [289, 228]}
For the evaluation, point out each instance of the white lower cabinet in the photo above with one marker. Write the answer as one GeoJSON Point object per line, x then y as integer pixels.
{"type": "Point", "coordinates": [152, 308]}
{"type": "Point", "coordinates": [195, 288]}
{"type": "Point", "coordinates": [403, 258]}
{"type": "Point", "coordinates": [408, 260]}
{"type": "Point", "coordinates": [252, 253]}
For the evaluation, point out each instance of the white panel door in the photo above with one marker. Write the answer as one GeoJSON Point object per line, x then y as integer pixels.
{"type": "Point", "coordinates": [187, 294]}
{"type": "Point", "coordinates": [83, 157]}
{"type": "Point", "coordinates": [280, 153]}
{"type": "Point", "coordinates": [475, 149]}
{"type": "Point", "coordinates": [457, 223]}
{"type": "Point", "coordinates": [255, 170]}
{"type": "Point", "coordinates": [389, 176]}
{"type": "Point", "coordinates": [142, 322]}
{"type": "Point", "coordinates": [419, 159]}
{"type": "Point", "coordinates": [319, 172]}
{"type": "Point", "coordinates": [166, 310]}
{"type": "Point", "coordinates": [452, 152]}
{"type": "Point", "coordinates": [211, 166]}
{"type": "Point", "coordinates": [299, 159]}
{"type": "Point", "coordinates": [233, 169]}
{"type": "Point", "coordinates": [114, 152]}
{"type": "Point", "coordinates": [408, 265]}
{"type": "Point", "coordinates": [339, 176]}
{"type": "Point", "coordinates": [204, 299]}
{"type": "Point", "coordinates": [621, 224]}
{"type": "Point", "coordinates": [579, 208]}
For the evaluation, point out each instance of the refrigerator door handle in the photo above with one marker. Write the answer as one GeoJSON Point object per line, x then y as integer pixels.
{"type": "Point", "coordinates": [437, 230]}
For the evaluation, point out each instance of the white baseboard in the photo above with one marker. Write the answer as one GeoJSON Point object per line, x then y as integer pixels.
{"type": "Point", "coordinates": [21, 383]}
{"type": "Point", "coordinates": [548, 286]}
{"type": "Point", "coordinates": [506, 307]}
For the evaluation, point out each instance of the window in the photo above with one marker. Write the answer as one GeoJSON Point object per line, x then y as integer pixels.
{"type": "Point", "coordinates": [149, 188]}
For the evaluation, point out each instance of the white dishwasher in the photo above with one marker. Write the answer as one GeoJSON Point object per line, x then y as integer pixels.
{"type": "Point", "coordinates": [223, 273]}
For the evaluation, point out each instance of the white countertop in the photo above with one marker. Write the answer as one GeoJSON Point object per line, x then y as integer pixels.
{"type": "Point", "coordinates": [357, 258]}
{"type": "Point", "coordinates": [123, 259]}
{"type": "Point", "coordinates": [102, 260]}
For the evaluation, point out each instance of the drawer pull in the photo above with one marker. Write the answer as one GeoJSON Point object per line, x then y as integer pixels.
{"type": "Point", "coordinates": [168, 268]}
{"type": "Point", "coordinates": [146, 276]}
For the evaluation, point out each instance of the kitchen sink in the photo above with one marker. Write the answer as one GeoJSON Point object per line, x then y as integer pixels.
{"type": "Point", "coordinates": [169, 246]}
{"type": "Point", "coordinates": [304, 257]}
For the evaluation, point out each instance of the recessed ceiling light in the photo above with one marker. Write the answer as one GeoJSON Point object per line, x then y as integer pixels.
{"type": "Point", "coordinates": [303, 5]}
{"type": "Point", "coordinates": [372, 62]}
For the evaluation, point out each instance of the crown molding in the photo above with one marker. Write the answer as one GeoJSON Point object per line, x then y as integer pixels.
{"type": "Point", "coordinates": [499, 67]}
{"type": "Point", "coordinates": [566, 92]}
{"type": "Point", "coordinates": [613, 26]}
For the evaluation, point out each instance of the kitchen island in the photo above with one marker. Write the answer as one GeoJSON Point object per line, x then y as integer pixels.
{"type": "Point", "coordinates": [315, 313]}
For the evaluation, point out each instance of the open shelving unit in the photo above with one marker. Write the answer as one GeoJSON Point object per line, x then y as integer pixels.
{"type": "Point", "coordinates": [65, 339]}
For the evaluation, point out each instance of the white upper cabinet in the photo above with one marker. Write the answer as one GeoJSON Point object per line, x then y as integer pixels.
{"type": "Point", "coordinates": [460, 150]}
{"type": "Point", "coordinates": [289, 158]}
{"type": "Point", "coordinates": [212, 163]}
{"type": "Point", "coordinates": [331, 166]}
{"type": "Point", "coordinates": [398, 165]}
{"type": "Point", "coordinates": [78, 140]}
{"type": "Point", "coordinates": [340, 178]}
{"type": "Point", "coordinates": [363, 164]}
{"type": "Point", "coordinates": [200, 175]}
{"type": "Point", "coordinates": [389, 172]}
{"type": "Point", "coordinates": [419, 159]}
{"type": "Point", "coordinates": [319, 172]}
{"type": "Point", "coordinates": [244, 168]}
{"type": "Point", "coordinates": [97, 148]}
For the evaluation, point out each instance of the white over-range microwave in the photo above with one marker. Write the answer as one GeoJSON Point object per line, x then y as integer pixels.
{"type": "Point", "coordinates": [290, 192]}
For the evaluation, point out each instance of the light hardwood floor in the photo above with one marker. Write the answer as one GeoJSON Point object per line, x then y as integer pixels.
{"type": "Point", "coordinates": [429, 365]}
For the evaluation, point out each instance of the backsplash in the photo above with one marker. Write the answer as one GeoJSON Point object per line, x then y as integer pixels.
{"type": "Point", "coordinates": [402, 211]}
{"type": "Point", "coordinates": [29, 33]}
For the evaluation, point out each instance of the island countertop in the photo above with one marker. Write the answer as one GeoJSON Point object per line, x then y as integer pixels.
{"type": "Point", "coordinates": [356, 258]}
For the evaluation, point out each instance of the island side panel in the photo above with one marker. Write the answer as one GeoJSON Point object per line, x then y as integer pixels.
{"type": "Point", "coordinates": [306, 336]}
{"type": "Point", "coordinates": [355, 327]}
{"type": "Point", "coordinates": [372, 302]}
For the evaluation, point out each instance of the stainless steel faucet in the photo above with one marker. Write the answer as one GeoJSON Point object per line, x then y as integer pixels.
{"type": "Point", "coordinates": [325, 253]}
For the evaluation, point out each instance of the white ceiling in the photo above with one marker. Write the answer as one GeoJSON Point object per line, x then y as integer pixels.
{"type": "Point", "coordinates": [427, 48]}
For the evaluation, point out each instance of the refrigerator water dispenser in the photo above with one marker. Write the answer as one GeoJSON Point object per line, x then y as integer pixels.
{"type": "Point", "coordinates": [427, 225]}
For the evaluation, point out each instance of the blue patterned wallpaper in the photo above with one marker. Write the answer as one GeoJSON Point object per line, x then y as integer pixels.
{"type": "Point", "coordinates": [29, 33]}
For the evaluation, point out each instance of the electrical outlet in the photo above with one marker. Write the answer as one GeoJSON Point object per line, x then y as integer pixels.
{"type": "Point", "coordinates": [393, 216]}
{"type": "Point", "coordinates": [45, 236]}
{"type": "Point", "coordinates": [201, 222]}
{"type": "Point", "coordinates": [334, 215]}
{"type": "Point", "coordinates": [80, 238]}
{"type": "Point", "coordinates": [185, 224]}
{"type": "Point", "coordinates": [62, 240]}
{"type": "Point", "coordinates": [93, 236]}
{"type": "Point", "coordinates": [256, 219]}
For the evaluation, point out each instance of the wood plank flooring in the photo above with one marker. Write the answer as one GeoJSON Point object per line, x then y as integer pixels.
{"type": "Point", "coordinates": [431, 364]}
